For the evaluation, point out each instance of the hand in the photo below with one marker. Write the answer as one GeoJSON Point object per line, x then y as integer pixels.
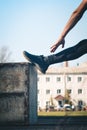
{"type": "Point", "coordinates": [57, 44]}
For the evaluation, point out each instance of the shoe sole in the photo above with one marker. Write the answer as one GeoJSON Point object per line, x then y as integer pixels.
{"type": "Point", "coordinates": [33, 63]}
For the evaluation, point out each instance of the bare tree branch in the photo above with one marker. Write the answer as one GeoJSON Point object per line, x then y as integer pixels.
{"type": "Point", "coordinates": [5, 54]}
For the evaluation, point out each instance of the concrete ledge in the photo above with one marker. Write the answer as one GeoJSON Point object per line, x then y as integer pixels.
{"type": "Point", "coordinates": [18, 93]}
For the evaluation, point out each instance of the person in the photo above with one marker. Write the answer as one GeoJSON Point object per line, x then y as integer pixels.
{"type": "Point", "coordinates": [43, 62]}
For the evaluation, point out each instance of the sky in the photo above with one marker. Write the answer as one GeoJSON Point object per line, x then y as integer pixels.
{"type": "Point", "coordinates": [34, 26]}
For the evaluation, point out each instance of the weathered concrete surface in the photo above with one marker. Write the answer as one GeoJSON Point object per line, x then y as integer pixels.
{"type": "Point", "coordinates": [46, 127]}
{"type": "Point", "coordinates": [18, 93]}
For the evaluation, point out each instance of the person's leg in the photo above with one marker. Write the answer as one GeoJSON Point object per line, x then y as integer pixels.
{"type": "Point", "coordinates": [42, 63]}
{"type": "Point", "coordinates": [70, 53]}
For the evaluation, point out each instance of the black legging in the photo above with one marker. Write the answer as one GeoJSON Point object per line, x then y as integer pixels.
{"type": "Point", "coordinates": [69, 53]}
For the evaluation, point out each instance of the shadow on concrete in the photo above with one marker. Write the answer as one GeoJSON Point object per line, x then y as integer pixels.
{"type": "Point", "coordinates": [50, 123]}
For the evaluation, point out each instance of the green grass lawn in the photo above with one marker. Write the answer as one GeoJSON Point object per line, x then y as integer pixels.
{"type": "Point", "coordinates": [63, 113]}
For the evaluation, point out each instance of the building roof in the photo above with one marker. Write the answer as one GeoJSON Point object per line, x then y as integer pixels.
{"type": "Point", "coordinates": [59, 97]}
{"type": "Point", "coordinates": [60, 70]}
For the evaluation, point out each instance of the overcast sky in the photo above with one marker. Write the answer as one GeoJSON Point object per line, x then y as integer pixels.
{"type": "Point", "coordinates": [34, 25]}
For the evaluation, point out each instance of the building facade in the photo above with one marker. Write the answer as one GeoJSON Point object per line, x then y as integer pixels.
{"type": "Point", "coordinates": [58, 83]}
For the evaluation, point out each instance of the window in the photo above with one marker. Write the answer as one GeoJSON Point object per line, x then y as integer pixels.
{"type": "Point", "coordinates": [79, 79]}
{"type": "Point", "coordinates": [47, 91]}
{"type": "Point", "coordinates": [80, 102]}
{"type": "Point", "coordinates": [58, 79]}
{"type": "Point", "coordinates": [79, 91]}
{"type": "Point", "coordinates": [47, 102]}
{"type": "Point", "coordinates": [68, 78]}
{"type": "Point", "coordinates": [47, 79]}
{"type": "Point", "coordinates": [58, 91]}
{"type": "Point", "coordinates": [69, 91]}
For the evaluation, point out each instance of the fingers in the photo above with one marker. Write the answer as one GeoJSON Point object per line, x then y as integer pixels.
{"type": "Point", "coordinates": [63, 45]}
{"type": "Point", "coordinates": [53, 48]}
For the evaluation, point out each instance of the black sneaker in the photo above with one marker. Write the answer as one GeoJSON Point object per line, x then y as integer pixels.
{"type": "Point", "coordinates": [38, 61]}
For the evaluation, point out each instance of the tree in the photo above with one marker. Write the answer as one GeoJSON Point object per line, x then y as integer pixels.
{"type": "Point", "coordinates": [51, 101]}
{"type": "Point", "coordinates": [67, 96]}
{"type": "Point", "coordinates": [4, 54]}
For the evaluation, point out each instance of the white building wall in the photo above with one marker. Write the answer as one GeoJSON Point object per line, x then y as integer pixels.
{"type": "Point", "coordinates": [53, 85]}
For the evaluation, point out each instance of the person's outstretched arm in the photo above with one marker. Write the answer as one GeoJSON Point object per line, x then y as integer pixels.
{"type": "Point", "coordinates": [75, 17]}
